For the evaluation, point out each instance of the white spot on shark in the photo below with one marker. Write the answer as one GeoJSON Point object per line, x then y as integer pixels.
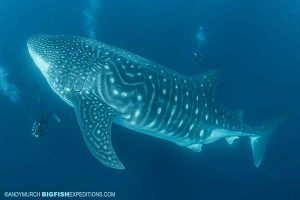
{"type": "Point", "coordinates": [159, 110]}
{"type": "Point", "coordinates": [151, 124]}
{"type": "Point", "coordinates": [173, 111]}
{"type": "Point", "coordinates": [201, 132]}
{"type": "Point", "coordinates": [181, 122]}
{"type": "Point", "coordinates": [137, 113]}
{"type": "Point", "coordinates": [191, 127]}
{"type": "Point", "coordinates": [106, 66]}
{"type": "Point", "coordinates": [115, 92]}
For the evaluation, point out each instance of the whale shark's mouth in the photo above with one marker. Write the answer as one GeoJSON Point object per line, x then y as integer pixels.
{"type": "Point", "coordinates": [39, 62]}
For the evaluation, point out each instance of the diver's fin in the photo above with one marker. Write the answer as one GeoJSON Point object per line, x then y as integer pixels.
{"type": "Point", "coordinates": [206, 82]}
{"type": "Point", "coordinates": [264, 132]}
{"type": "Point", "coordinates": [56, 118]}
{"type": "Point", "coordinates": [195, 147]}
{"type": "Point", "coordinates": [95, 120]}
{"type": "Point", "coordinates": [231, 139]}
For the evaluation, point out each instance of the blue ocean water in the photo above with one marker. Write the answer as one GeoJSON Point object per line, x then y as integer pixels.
{"type": "Point", "coordinates": [254, 43]}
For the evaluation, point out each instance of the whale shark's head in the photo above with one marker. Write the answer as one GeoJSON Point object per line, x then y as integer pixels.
{"type": "Point", "coordinates": [41, 52]}
{"type": "Point", "coordinates": [73, 67]}
{"type": "Point", "coordinates": [65, 61]}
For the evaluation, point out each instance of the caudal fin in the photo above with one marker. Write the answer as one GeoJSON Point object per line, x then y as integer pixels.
{"type": "Point", "coordinates": [264, 132]}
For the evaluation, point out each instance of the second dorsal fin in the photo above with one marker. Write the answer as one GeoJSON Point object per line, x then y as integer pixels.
{"type": "Point", "coordinates": [206, 82]}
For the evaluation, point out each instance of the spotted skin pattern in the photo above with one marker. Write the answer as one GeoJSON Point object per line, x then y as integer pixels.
{"type": "Point", "coordinates": [106, 84]}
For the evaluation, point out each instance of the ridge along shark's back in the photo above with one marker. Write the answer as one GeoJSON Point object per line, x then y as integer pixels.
{"type": "Point", "coordinates": [105, 84]}
{"type": "Point", "coordinates": [74, 45]}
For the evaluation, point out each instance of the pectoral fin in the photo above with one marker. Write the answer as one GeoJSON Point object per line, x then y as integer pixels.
{"type": "Point", "coordinates": [95, 120]}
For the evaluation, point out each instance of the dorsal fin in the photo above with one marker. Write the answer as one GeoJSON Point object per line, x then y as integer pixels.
{"type": "Point", "coordinates": [206, 82]}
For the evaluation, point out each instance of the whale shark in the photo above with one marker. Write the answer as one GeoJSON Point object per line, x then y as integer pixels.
{"type": "Point", "coordinates": [105, 84]}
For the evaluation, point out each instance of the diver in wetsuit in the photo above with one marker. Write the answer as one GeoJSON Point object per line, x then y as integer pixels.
{"type": "Point", "coordinates": [40, 125]}
{"type": "Point", "coordinates": [197, 58]}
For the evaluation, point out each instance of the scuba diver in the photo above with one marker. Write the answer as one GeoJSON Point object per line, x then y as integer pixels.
{"type": "Point", "coordinates": [40, 125]}
{"type": "Point", "coordinates": [197, 58]}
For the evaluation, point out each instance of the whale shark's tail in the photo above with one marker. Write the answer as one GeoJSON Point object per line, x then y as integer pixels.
{"type": "Point", "coordinates": [264, 132]}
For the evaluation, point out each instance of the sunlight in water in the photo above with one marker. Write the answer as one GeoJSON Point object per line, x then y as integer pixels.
{"type": "Point", "coordinates": [6, 88]}
{"type": "Point", "coordinates": [90, 15]}
{"type": "Point", "coordinates": [200, 36]}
